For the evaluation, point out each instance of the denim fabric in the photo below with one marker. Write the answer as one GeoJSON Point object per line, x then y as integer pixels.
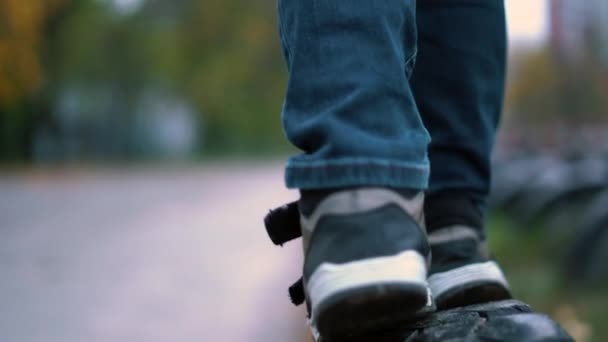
{"type": "Point", "coordinates": [350, 106]}
{"type": "Point", "coordinates": [459, 84]}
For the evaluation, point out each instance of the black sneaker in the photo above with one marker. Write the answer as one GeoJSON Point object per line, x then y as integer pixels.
{"type": "Point", "coordinates": [365, 261]}
{"type": "Point", "coordinates": [461, 272]}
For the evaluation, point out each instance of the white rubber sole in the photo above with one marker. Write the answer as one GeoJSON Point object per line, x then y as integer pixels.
{"type": "Point", "coordinates": [444, 282]}
{"type": "Point", "coordinates": [330, 279]}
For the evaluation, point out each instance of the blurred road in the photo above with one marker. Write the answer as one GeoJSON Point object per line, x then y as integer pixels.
{"type": "Point", "coordinates": [145, 254]}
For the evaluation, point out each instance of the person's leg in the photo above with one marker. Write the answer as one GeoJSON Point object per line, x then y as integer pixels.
{"type": "Point", "coordinates": [459, 84]}
{"type": "Point", "coordinates": [350, 109]}
{"type": "Point", "coordinates": [349, 106]}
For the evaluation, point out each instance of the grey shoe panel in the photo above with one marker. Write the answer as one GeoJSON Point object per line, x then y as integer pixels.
{"type": "Point", "coordinates": [456, 246]}
{"type": "Point", "coordinates": [384, 231]}
{"type": "Point", "coordinates": [359, 201]}
{"type": "Point", "coordinates": [452, 233]}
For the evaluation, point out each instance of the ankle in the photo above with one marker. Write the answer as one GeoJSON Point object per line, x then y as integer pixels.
{"type": "Point", "coordinates": [452, 209]}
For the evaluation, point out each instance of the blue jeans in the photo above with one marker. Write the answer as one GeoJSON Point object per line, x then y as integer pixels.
{"type": "Point", "coordinates": [364, 116]}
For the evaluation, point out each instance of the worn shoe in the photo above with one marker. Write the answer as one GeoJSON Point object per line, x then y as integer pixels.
{"type": "Point", "coordinates": [461, 272]}
{"type": "Point", "coordinates": [365, 262]}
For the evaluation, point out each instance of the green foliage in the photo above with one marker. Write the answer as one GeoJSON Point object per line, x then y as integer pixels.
{"type": "Point", "coordinates": [534, 265]}
{"type": "Point", "coordinates": [21, 35]}
{"type": "Point", "coordinates": [22, 25]}
{"type": "Point", "coordinates": [223, 58]}
{"type": "Point", "coordinates": [544, 88]}
{"type": "Point", "coordinates": [234, 72]}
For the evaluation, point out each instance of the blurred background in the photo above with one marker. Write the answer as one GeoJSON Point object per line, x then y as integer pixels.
{"type": "Point", "coordinates": [141, 144]}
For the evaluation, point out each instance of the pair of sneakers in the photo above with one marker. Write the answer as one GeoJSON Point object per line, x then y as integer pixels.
{"type": "Point", "coordinates": [368, 262]}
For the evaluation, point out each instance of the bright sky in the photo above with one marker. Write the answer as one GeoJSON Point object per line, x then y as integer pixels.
{"type": "Point", "coordinates": [527, 20]}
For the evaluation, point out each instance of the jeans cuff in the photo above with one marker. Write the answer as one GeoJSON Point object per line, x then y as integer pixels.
{"type": "Point", "coordinates": [351, 172]}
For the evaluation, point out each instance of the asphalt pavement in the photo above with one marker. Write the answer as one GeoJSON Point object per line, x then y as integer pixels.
{"type": "Point", "coordinates": [168, 253]}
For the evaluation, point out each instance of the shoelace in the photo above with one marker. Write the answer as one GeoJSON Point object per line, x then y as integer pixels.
{"type": "Point", "coordinates": [283, 225]}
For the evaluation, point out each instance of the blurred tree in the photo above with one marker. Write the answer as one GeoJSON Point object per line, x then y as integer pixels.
{"type": "Point", "coordinates": [22, 24]}
{"type": "Point", "coordinates": [544, 89]}
{"type": "Point", "coordinates": [21, 30]}
{"type": "Point", "coordinates": [533, 87]}
{"type": "Point", "coordinates": [221, 57]}
{"type": "Point", "coordinates": [225, 58]}
{"type": "Point", "coordinates": [232, 68]}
